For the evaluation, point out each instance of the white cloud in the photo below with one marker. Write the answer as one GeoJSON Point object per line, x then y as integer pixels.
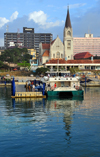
{"type": "Point", "coordinates": [3, 21]}
{"type": "Point", "coordinates": [52, 24]}
{"type": "Point", "coordinates": [41, 19]}
{"type": "Point", "coordinates": [14, 16]}
{"type": "Point", "coordinates": [38, 17]}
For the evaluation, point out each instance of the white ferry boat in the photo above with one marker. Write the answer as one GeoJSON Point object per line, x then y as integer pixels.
{"type": "Point", "coordinates": [62, 86]}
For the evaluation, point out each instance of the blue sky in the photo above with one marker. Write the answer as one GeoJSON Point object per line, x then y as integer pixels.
{"type": "Point", "coordinates": [48, 16]}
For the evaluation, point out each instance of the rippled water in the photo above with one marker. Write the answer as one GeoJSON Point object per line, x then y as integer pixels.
{"type": "Point", "coordinates": [49, 128]}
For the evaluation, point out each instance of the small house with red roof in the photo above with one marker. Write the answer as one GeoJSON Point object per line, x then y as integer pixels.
{"type": "Point", "coordinates": [83, 55]}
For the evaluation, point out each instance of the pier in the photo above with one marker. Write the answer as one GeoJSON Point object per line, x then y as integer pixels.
{"type": "Point", "coordinates": [29, 95]}
{"type": "Point", "coordinates": [38, 92]}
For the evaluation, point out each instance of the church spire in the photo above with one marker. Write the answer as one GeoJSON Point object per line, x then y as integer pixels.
{"type": "Point", "coordinates": [68, 22]}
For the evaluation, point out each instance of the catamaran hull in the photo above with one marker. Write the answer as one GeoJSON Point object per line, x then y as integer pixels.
{"type": "Point", "coordinates": [65, 93]}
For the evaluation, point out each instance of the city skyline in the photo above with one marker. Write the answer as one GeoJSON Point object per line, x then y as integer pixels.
{"type": "Point", "coordinates": [49, 17]}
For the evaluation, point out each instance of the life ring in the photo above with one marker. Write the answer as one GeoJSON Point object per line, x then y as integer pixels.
{"type": "Point", "coordinates": [77, 87]}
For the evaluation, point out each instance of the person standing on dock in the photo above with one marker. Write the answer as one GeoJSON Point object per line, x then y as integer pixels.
{"type": "Point", "coordinates": [26, 86]}
{"type": "Point", "coordinates": [33, 88]}
{"type": "Point", "coordinates": [29, 87]}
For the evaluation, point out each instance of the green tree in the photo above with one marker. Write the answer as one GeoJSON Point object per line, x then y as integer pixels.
{"type": "Point", "coordinates": [15, 55]}
{"type": "Point", "coordinates": [24, 64]}
{"type": "Point", "coordinates": [41, 70]}
{"type": "Point", "coordinates": [2, 65]}
{"type": "Point", "coordinates": [74, 70]}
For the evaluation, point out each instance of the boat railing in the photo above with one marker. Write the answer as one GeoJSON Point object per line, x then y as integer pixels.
{"type": "Point", "coordinates": [62, 78]}
{"type": "Point", "coordinates": [52, 87]}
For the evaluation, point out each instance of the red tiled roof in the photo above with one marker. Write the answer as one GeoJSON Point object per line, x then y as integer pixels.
{"type": "Point", "coordinates": [53, 41]}
{"type": "Point", "coordinates": [83, 61]}
{"type": "Point", "coordinates": [83, 55]}
{"type": "Point", "coordinates": [56, 61]}
{"type": "Point", "coordinates": [45, 46]}
{"type": "Point", "coordinates": [46, 54]}
{"type": "Point", "coordinates": [63, 61]}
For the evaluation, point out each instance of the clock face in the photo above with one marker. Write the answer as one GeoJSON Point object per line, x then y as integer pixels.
{"type": "Point", "coordinates": [69, 33]}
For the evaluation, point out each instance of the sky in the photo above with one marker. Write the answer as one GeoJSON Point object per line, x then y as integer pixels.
{"type": "Point", "coordinates": [48, 16]}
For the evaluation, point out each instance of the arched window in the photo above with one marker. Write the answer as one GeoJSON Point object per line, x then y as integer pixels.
{"type": "Point", "coordinates": [58, 55]}
{"type": "Point", "coordinates": [69, 33]}
{"type": "Point", "coordinates": [53, 55]}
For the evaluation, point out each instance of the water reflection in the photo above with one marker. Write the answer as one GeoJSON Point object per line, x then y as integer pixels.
{"type": "Point", "coordinates": [39, 110]}
{"type": "Point", "coordinates": [64, 127]}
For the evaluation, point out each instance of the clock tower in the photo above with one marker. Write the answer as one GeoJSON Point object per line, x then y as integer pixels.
{"type": "Point", "coordinates": [68, 38]}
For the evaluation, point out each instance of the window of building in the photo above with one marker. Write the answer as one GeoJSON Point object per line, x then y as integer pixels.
{"type": "Point", "coordinates": [53, 55]}
{"type": "Point", "coordinates": [68, 44]}
{"type": "Point", "coordinates": [58, 55]}
{"type": "Point", "coordinates": [69, 33]}
{"type": "Point", "coordinates": [61, 55]}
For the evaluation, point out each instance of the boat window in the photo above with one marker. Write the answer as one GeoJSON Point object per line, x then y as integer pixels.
{"type": "Point", "coordinates": [62, 84]}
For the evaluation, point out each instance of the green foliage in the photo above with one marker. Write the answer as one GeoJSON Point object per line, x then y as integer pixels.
{"type": "Point", "coordinates": [41, 70]}
{"type": "Point", "coordinates": [74, 70]}
{"type": "Point", "coordinates": [15, 55]}
{"type": "Point", "coordinates": [24, 64]}
{"type": "Point", "coordinates": [2, 65]}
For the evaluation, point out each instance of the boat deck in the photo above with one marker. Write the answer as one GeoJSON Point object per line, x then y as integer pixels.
{"type": "Point", "coordinates": [64, 89]}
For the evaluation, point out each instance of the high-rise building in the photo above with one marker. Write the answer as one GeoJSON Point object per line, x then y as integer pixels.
{"type": "Point", "coordinates": [88, 43]}
{"type": "Point", "coordinates": [28, 38]}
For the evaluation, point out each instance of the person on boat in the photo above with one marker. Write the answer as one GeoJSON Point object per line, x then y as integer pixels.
{"type": "Point", "coordinates": [48, 75]}
{"type": "Point", "coordinates": [55, 85]}
{"type": "Point", "coordinates": [49, 85]}
{"type": "Point", "coordinates": [74, 85]}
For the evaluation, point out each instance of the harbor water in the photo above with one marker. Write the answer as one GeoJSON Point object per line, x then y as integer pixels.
{"type": "Point", "coordinates": [50, 127]}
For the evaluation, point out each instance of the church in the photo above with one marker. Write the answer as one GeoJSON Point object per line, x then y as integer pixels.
{"type": "Point", "coordinates": [61, 55]}
{"type": "Point", "coordinates": [57, 50]}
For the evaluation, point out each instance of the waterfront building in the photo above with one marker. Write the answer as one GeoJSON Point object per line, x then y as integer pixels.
{"type": "Point", "coordinates": [28, 38]}
{"type": "Point", "coordinates": [62, 64]}
{"type": "Point", "coordinates": [88, 43]}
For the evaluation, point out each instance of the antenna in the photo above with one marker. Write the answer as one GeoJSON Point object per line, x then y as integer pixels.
{"type": "Point", "coordinates": [89, 30]}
